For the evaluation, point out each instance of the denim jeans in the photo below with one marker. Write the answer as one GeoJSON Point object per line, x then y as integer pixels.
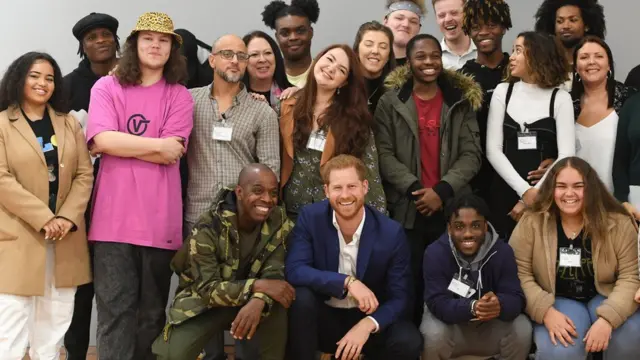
{"type": "Point", "coordinates": [624, 343]}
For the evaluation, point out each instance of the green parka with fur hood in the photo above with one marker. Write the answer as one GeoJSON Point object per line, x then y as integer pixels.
{"type": "Point", "coordinates": [397, 139]}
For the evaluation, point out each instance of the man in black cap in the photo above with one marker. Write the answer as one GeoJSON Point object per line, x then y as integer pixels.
{"type": "Point", "coordinates": [97, 34]}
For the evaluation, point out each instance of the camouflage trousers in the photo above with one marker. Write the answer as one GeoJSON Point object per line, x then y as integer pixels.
{"type": "Point", "coordinates": [186, 341]}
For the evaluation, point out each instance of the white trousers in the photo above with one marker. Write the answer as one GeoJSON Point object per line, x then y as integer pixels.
{"type": "Point", "coordinates": [37, 322]}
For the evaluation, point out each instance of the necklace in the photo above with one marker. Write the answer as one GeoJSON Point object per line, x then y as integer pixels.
{"type": "Point", "coordinates": [372, 94]}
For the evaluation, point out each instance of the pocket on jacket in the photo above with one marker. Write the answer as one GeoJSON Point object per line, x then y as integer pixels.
{"type": "Point", "coordinates": [8, 228]}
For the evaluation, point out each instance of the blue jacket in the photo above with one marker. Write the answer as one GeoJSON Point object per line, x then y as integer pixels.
{"type": "Point", "coordinates": [493, 269]}
{"type": "Point", "coordinates": [313, 253]}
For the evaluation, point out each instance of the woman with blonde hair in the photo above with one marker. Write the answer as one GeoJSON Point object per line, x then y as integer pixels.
{"type": "Point", "coordinates": [577, 256]}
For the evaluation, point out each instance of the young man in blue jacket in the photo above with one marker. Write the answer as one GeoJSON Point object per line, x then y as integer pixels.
{"type": "Point", "coordinates": [474, 302]}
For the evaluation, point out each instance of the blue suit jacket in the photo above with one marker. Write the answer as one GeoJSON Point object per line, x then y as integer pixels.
{"type": "Point", "coordinates": [383, 259]}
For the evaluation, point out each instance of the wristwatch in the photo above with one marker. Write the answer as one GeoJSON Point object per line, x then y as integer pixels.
{"type": "Point", "coordinates": [473, 310]}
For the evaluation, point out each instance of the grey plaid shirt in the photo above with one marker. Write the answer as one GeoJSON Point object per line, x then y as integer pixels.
{"type": "Point", "coordinates": [214, 164]}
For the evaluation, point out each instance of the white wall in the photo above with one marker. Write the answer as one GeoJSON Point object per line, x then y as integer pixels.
{"type": "Point", "coordinates": [45, 25]}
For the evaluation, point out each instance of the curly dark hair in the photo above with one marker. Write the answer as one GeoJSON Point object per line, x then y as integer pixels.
{"type": "Point", "coordinates": [347, 117]}
{"type": "Point", "coordinates": [577, 88]}
{"type": "Point", "coordinates": [277, 9]}
{"type": "Point", "coordinates": [466, 201]}
{"type": "Point", "coordinates": [128, 72]}
{"type": "Point", "coordinates": [592, 15]}
{"type": "Point", "coordinates": [548, 66]}
{"type": "Point", "coordinates": [495, 11]}
{"type": "Point", "coordinates": [376, 26]}
{"type": "Point", "coordinates": [280, 75]}
{"type": "Point", "coordinates": [13, 81]}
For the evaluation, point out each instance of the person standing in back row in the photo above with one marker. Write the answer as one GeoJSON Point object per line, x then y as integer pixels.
{"type": "Point", "coordinates": [404, 18]}
{"type": "Point", "coordinates": [294, 33]}
{"type": "Point", "coordinates": [141, 118]}
{"type": "Point", "coordinates": [457, 47]}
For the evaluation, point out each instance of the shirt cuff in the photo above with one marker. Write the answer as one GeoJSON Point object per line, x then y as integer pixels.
{"type": "Point", "coordinates": [376, 323]}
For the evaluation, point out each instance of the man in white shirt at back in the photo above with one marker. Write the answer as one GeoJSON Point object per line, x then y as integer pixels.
{"type": "Point", "coordinates": [457, 47]}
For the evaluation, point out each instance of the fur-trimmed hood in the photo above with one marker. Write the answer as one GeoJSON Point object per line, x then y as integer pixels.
{"type": "Point", "coordinates": [454, 85]}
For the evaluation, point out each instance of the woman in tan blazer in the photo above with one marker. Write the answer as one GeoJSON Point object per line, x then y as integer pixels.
{"type": "Point", "coordinates": [45, 184]}
{"type": "Point", "coordinates": [577, 256]}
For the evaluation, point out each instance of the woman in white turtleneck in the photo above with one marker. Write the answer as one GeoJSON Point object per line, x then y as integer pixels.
{"type": "Point", "coordinates": [530, 120]}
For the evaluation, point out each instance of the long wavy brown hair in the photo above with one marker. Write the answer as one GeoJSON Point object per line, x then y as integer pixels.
{"type": "Point", "coordinates": [548, 66]}
{"type": "Point", "coordinates": [347, 116]}
{"type": "Point", "coordinates": [598, 203]}
{"type": "Point", "coordinates": [128, 71]}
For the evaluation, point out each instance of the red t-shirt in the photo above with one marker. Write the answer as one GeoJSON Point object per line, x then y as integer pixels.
{"type": "Point", "coordinates": [429, 130]}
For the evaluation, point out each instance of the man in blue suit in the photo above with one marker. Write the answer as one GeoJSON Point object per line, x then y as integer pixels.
{"type": "Point", "coordinates": [350, 267]}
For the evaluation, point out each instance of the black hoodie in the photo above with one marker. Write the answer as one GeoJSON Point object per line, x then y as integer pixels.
{"type": "Point", "coordinates": [78, 83]}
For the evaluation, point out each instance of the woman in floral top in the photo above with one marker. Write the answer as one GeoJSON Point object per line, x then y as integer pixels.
{"type": "Point", "coordinates": [329, 117]}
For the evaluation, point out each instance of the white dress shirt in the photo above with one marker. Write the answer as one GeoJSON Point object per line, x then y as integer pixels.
{"type": "Point", "coordinates": [452, 61]}
{"type": "Point", "coordinates": [347, 264]}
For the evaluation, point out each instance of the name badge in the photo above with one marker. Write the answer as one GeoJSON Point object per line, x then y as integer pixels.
{"type": "Point", "coordinates": [570, 257]}
{"type": "Point", "coordinates": [527, 141]}
{"type": "Point", "coordinates": [222, 133]}
{"type": "Point", "coordinates": [316, 142]}
{"type": "Point", "coordinates": [460, 287]}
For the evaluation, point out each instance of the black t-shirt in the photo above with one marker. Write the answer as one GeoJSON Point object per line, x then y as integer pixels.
{"type": "Point", "coordinates": [43, 130]}
{"type": "Point", "coordinates": [266, 94]}
{"type": "Point", "coordinates": [248, 242]}
{"type": "Point", "coordinates": [401, 61]}
{"type": "Point", "coordinates": [573, 282]}
{"type": "Point", "coordinates": [375, 89]}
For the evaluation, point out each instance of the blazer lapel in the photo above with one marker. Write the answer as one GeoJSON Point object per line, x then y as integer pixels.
{"type": "Point", "coordinates": [58, 122]}
{"type": "Point", "coordinates": [329, 148]}
{"type": "Point", "coordinates": [365, 248]}
{"type": "Point", "coordinates": [333, 245]}
{"type": "Point", "coordinates": [20, 123]}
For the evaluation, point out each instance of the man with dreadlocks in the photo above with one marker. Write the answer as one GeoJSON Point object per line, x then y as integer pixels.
{"type": "Point", "coordinates": [294, 33]}
{"type": "Point", "coordinates": [98, 48]}
{"type": "Point", "coordinates": [570, 21]}
{"type": "Point", "coordinates": [486, 22]}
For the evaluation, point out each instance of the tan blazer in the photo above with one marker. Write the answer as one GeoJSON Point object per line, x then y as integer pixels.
{"type": "Point", "coordinates": [535, 243]}
{"type": "Point", "coordinates": [24, 210]}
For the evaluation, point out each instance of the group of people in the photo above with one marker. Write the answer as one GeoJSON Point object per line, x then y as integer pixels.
{"type": "Point", "coordinates": [400, 198]}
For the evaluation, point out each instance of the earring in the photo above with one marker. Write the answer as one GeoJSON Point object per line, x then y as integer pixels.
{"type": "Point", "coordinates": [609, 74]}
{"type": "Point", "coordinates": [338, 91]}
{"type": "Point", "coordinates": [577, 76]}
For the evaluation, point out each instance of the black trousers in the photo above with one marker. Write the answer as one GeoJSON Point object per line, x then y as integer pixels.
{"type": "Point", "coordinates": [132, 288]}
{"type": "Point", "coordinates": [425, 231]}
{"type": "Point", "coordinates": [76, 340]}
{"type": "Point", "coordinates": [315, 326]}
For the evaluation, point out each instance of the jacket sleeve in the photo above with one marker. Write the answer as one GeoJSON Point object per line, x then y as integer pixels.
{"type": "Point", "coordinates": [398, 287]}
{"type": "Point", "coordinates": [18, 200]}
{"type": "Point", "coordinates": [442, 303]}
{"type": "Point", "coordinates": [75, 204]}
{"type": "Point", "coordinates": [299, 268]}
{"type": "Point", "coordinates": [391, 169]}
{"type": "Point", "coordinates": [619, 305]}
{"type": "Point", "coordinates": [268, 141]}
{"type": "Point", "coordinates": [622, 153]}
{"type": "Point", "coordinates": [538, 300]}
{"type": "Point", "coordinates": [469, 154]}
{"type": "Point", "coordinates": [509, 290]}
{"type": "Point", "coordinates": [204, 267]}
{"type": "Point", "coordinates": [375, 197]}
{"type": "Point", "coordinates": [273, 267]}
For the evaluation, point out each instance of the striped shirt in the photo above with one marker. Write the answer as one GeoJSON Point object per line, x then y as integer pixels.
{"type": "Point", "coordinates": [214, 164]}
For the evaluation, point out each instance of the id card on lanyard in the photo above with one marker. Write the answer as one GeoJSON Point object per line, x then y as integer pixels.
{"type": "Point", "coordinates": [570, 257]}
{"type": "Point", "coordinates": [222, 131]}
{"type": "Point", "coordinates": [316, 141]}
{"type": "Point", "coordinates": [527, 140]}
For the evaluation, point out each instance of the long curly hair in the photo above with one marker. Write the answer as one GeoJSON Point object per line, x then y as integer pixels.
{"type": "Point", "coordinates": [347, 116]}
{"type": "Point", "coordinates": [277, 9]}
{"type": "Point", "coordinates": [128, 72]}
{"type": "Point", "coordinates": [13, 81]}
{"type": "Point", "coordinates": [577, 88]}
{"type": "Point", "coordinates": [495, 11]}
{"type": "Point", "coordinates": [376, 26]}
{"type": "Point", "coordinates": [547, 64]}
{"type": "Point", "coordinates": [280, 75]}
{"type": "Point", "coordinates": [592, 15]}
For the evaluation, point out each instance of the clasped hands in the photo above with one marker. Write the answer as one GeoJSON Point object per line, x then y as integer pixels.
{"type": "Point", "coordinates": [57, 228]}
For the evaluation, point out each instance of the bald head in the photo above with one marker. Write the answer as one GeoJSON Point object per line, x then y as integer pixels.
{"type": "Point", "coordinates": [253, 172]}
{"type": "Point", "coordinates": [229, 42]}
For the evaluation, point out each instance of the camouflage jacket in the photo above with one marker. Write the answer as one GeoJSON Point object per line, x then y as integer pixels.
{"type": "Point", "coordinates": [207, 264]}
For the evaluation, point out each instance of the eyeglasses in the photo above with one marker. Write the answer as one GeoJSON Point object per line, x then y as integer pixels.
{"type": "Point", "coordinates": [229, 54]}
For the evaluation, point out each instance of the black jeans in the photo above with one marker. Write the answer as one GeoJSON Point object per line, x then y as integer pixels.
{"type": "Point", "coordinates": [425, 231]}
{"type": "Point", "coordinates": [76, 340]}
{"type": "Point", "coordinates": [314, 326]}
{"type": "Point", "coordinates": [132, 288]}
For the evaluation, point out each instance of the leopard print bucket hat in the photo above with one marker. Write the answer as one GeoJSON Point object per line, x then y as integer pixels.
{"type": "Point", "coordinates": [157, 22]}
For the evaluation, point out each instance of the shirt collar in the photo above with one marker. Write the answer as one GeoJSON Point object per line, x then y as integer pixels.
{"type": "Point", "coordinates": [240, 97]}
{"type": "Point", "coordinates": [445, 47]}
{"type": "Point", "coordinates": [357, 233]}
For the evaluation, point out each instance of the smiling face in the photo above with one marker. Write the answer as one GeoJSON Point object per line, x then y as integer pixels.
{"type": "Point", "coordinates": [294, 34]}
{"type": "Point", "coordinates": [569, 191]}
{"type": "Point", "coordinates": [154, 49]}
{"type": "Point", "coordinates": [258, 196]}
{"type": "Point", "coordinates": [404, 24]}
{"type": "Point", "coordinates": [570, 26]}
{"type": "Point", "coordinates": [346, 192]}
{"type": "Point", "coordinates": [99, 45]}
{"type": "Point", "coordinates": [332, 69]}
{"type": "Point", "coordinates": [262, 61]}
{"type": "Point", "coordinates": [374, 51]}
{"type": "Point", "coordinates": [592, 63]}
{"type": "Point", "coordinates": [232, 69]}
{"type": "Point", "coordinates": [39, 84]}
{"type": "Point", "coordinates": [426, 61]}
{"type": "Point", "coordinates": [467, 229]}
{"type": "Point", "coordinates": [487, 36]}
{"type": "Point", "coordinates": [449, 15]}
{"type": "Point", "coordinates": [518, 59]}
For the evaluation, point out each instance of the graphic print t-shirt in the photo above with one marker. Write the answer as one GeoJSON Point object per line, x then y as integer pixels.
{"type": "Point", "coordinates": [135, 201]}
{"type": "Point", "coordinates": [429, 130]}
{"type": "Point", "coordinates": [43, 130]}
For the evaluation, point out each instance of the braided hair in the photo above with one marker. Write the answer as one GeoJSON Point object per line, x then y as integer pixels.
{"type": "Point", "coordinates": [277, 9]}
{"type": "Point", "coordinates": [495, 11]}
{"type": "Point", "coordinates": [592, 15]}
